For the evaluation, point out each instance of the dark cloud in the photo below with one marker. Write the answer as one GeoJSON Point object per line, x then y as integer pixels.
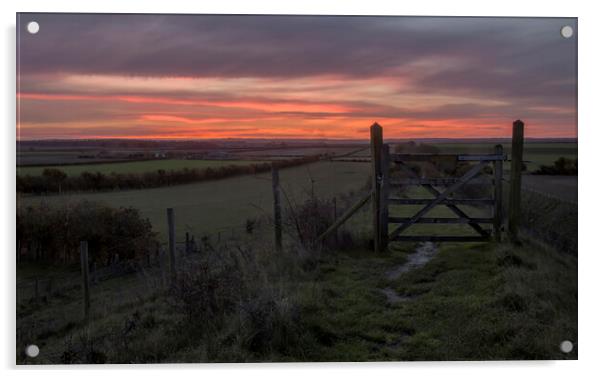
{"type": "Point", "coordinates": [522, 63]}
{"type": "Point", "coordinates": [289, 46]}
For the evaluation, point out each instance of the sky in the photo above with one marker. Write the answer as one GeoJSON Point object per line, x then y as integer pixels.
{"type": "Point", "coordinates": [88, 76]}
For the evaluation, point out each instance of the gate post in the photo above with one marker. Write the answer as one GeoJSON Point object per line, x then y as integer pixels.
{"type": "Point", "coordinates": [498, 167]}
{"type": "Point", "coordinates": [277, 210]}
{"type": "Point", "coordinates": [376, 144]}
{"type": "Point", "coordinates": [515, 179]}
{"type": "Point", "coordinates": [384, 198]}
{"type": "Point", "coordinates": [172, 245]}
{"type": "Point", "coordinates": [83, 252]}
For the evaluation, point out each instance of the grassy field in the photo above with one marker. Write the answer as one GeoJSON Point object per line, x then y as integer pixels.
{"type": "Point", "coordinates": [562, 187]}
{"type": "Point", "coordinates": [135, 166]}
{"type": "Point", "coordinates": [224, 205]}
{"type": "Point", "coordinates": [536, 153]}
{"type": "Point", "coordinates": [57, 156]}
{"type": "Point", "coordinates": [472, 301]}
{"type": "Point", "coordinates": [297, 151]}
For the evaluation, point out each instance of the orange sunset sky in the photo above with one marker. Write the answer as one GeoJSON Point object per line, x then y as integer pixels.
{"type": "Point", "coordinates": [184, 76]}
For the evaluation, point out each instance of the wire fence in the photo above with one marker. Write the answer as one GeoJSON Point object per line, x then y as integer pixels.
{"type": "Point", "coordinates": [527, 188]}
{"type": "Point", "coordinates": [549, 219]}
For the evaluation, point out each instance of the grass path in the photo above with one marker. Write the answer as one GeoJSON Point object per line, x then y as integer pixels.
{"type": "Point", "coordinates": [471, 302]}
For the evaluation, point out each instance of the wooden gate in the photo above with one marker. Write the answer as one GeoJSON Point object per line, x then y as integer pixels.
{"type": "Point", "coordinates": [441, 190]}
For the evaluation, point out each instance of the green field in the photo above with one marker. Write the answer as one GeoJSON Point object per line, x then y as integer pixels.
{"type": "Point", "coordinates": [535, 153]}
{"type": "Point", "coordinates": [134, 166]}
{"type": "Point", "coordinates": [475, 301]}
{"type": "Point", "coordinates": [562, 187]}
{"type": "Point", "coordinates": [225, 205]}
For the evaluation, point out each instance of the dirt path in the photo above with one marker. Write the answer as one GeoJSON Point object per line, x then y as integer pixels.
{"type": "Point", "coordinates": [424, 253]}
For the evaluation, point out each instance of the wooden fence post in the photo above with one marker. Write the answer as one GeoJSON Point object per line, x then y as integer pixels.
{"type": "Point", "coordinates": [83, 249]}
{"type": "Point", "coordinates": [37, 291]}
{"type": "Point", "coordinates": [498, 168]}
{"type": "Point", "coordinates": [163, 267]}
{"type": "Point", "coordinates": [376, 143]}
{"type": "Point", "coordinates": [172, 245]}
{"type": "Point", "coordinates": [277, 209]}
{"type": "Point", "coordinates": [187, 243]}
{"type": "Point", "coordinates": [94, 273]}
{"type": "Point", "coordinates": [515, 179]}
{"type": "Point", "coordinates": [336, 215]}
{"type": "Point", "coordinates": [384, 198]}
{"type": "Point", "coordinates": [49, 288]}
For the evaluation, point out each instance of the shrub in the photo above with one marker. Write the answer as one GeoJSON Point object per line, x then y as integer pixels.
{"type": "Point", "coordinates": [269, 323]}
{"type": "Point", "coordinates": [54, 177]}
{"type": "Point", "coordinates": [412, 147]}
{"type": "Point", "coordinates": [53, 234]}
{"type": "Point", "coordinates": [207, 293]}
{"type": "Point", "coordinates": [562, 166]}
{"type": "Point", "coordinates": [309, 220]}
{"type": "Point", "coordinates": [240, 301]}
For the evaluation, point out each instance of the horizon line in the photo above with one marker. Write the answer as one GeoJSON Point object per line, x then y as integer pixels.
{"type": "Point", "coordinates": [282, 139]}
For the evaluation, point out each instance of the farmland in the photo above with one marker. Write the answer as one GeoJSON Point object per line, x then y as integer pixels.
{"type": "Point", "coordinates": [473, 300]}
{"type": "Point", "coordinates": [134, 166]}
{"type": "Point", "coordinates": [535, 153]}
{"type": "Point", "coordinates": [563, 187]}
{"type": "Point", "coordinates": [207, 207]}
{"type": "Point", "coordinates": [224, 205]}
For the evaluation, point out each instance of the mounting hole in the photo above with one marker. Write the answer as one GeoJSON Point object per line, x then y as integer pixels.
{"type": "Point", "coordinates": [566, 346]}
{"type": "Point", "coordinates": [32, 351]}
{"type": "Point", "coordinates": [566, 31]}
{"type": "Point", "coordinates": [33, 27]}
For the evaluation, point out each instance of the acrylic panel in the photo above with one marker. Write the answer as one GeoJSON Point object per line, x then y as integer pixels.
{"type": "Point", "coordinates": [275, 188]}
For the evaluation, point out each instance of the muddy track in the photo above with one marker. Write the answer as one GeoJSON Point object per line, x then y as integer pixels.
{"type": "Point", "coordinates": [423, 254]}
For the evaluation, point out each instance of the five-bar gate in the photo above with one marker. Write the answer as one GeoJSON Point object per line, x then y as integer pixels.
{"type": "Point", "coordinates": [383, 159]}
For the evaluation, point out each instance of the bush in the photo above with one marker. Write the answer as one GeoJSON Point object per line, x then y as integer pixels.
{"type": "Point", "coordinates": [53, 234]}
{"type": "Point", "coordinates": [412, 147]}
{"type": "Point", "coordinates": [207, 293]}
{"type": "Point", "coordinates": [240, 301]}
{"type": "Point", "coordinates": [562, 166]}
{"type": "Point", "coordinates": [269, 323]}
{"type": "Point", "coordinates": [310, 219]}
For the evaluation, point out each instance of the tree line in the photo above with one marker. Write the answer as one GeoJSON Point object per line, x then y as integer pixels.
{"type": "Point", "coordinates": [52, 234]}
{"type": "Point", "coordinates": [55, 180]}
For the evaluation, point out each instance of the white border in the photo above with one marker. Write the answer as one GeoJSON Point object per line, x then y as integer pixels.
{"type": "Point", "coordinates": [590, 262]}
